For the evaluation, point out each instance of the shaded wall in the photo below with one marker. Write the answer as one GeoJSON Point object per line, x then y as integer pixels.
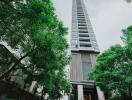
{"type": "Point", "coordinates": [12, 91]}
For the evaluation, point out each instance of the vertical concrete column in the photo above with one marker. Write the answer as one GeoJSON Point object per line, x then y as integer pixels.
{"type": "Point", "coordinates": [100, 94]}
{"type": "Point", "coordinates": [80, 92]}
{"type": "Point", "coordinates": [79, 68]}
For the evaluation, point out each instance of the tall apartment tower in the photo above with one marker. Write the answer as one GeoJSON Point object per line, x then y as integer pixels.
{"type": "Point", "coordinates": [84, 50]}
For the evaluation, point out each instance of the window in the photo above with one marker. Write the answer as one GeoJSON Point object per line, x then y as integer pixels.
{"type": "Point", "coordinates": [82, 24]}
{"type": "Point", "coordinates": [81, 17]}
{"type": "Point", "coordinates": [81, 31]}
{"type": "Point", "coordinates": [80, 13]}
{"type": "Point", "coordinates": [85, 45]}
{"type": "Point", "coordinates": [83, 35]}
{"type": "Point", "coordinates": [84, 40]}
{"type": "Point", "coordinates": [86, 68]}
{"type": "Point", "coordinates": [82, 27]}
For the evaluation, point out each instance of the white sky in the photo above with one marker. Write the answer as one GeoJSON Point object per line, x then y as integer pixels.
{"type": "Point", "coordinates": [108, 18]}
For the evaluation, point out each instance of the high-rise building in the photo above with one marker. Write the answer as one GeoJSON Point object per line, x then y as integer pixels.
{"type": "Point", "coordinates": [84, 50]}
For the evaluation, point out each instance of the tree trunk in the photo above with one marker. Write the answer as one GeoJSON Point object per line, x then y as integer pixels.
{"type": "Point", "coordinates": [129, 90]}
{"type": "Point", "coordinates": [42, 96]}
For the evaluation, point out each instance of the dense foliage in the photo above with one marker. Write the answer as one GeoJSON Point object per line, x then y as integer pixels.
{"type": "Point", "coordinates": [113, 71]}
{"type": "Point", "coordinates": [32, 28]}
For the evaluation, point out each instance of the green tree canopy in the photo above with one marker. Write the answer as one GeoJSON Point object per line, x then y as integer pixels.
{"type": "Point", "coordinates": [113, 70]}
{"type": "Point", "coordinates": [32, 28]}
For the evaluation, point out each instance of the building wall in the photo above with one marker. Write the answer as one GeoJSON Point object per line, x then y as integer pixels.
{"type": "Point", "coordinates": [81, 64]}
{"type": "Point", "coordinates": [82, 37]}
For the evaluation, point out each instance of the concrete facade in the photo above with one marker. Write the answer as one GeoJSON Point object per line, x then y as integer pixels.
{"type": "Point", "coordinates": [80, 92]}
{"type": "Point", "coordinates": [82, 37]}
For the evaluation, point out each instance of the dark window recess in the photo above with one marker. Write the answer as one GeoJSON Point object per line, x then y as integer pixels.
{"type": "Point", "coordinates": [81, 31]}
{"type": "Point", "coordinates": [80, 22]}
{"type": "Point", "coordinates": [80, 17]}
{"type": "Point", "coordinates": [79, 7]}
{"type": "Point", "coordinates": [83, 35]}
{"type": "Point", "coordinates": [79, 10]}
{"type": "Point", "coordinates": [83, 28]}
{"type": "Point", "coordinates": [82, 25]}
{"type": "Point", "coordinates": [85, 45]}
{"type": "Point", "coordinates": [81, 13]}
{"type": "Point", "coordinates": [84, 40]}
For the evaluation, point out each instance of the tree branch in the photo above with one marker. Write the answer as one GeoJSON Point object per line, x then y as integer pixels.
{"type": "Point", "coordinates": [12, 68]}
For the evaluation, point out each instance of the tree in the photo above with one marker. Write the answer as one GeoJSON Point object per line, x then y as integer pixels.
{"type": "Point", "coordinates": [112, 72]}
{"type": "Point", "coordinates": [32, 28]}
{"type": "Point", "coordinates": [128, 1]}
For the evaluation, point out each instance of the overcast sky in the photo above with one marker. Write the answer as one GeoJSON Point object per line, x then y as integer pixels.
{"type": "Point", "coordinates": [108, 18]}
